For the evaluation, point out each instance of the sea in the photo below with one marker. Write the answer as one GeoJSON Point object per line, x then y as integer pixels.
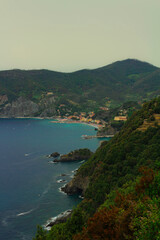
{"type": "Point", "coordinates": [30, 182]}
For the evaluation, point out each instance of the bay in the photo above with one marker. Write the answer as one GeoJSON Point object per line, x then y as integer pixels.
{"type": "Point", "coordinates": [29, 183]}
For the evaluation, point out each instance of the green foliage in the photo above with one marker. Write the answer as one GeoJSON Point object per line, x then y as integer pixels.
{"type": "Point", "coordinates": [82, 152]}
{"type": "Point", "coordinates": [64, 231]}
{"type": "Point", "coordinates": [115, 166]}
{"type": "Point", "coordinates": [117, 124]}
{"type": "Point", "coordinates": [59, 232]}
{"type": "Point", "coordinates": [41, 234]}
{"type": "Point", "coordinates": [127, 188]}
{"type": "Point", "coordinates": [147, 223]}
{"type": "Point", "coordinates": [132, 214]}
{"type": "Point", "coordinates": [88, 89]}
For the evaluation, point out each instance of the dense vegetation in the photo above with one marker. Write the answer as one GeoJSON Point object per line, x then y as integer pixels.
{"type": "Point", "coordinates": [85, 90]}
{"type": "Point", "coordinates": [119, 204]}
{"type": "Point", "coordinates": [76, 155]}
{"type": "Point", "coordinates": [134, 213]}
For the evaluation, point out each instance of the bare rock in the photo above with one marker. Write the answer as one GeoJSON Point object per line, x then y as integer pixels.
{"type": "Point", "coordinates": [77, 185]}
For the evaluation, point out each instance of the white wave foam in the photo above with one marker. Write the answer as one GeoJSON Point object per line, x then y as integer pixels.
{"type": "Point", "coordinates": [81, 197]}
{"type": "Point", "coordinates": [75, 170]}
{"type": "Point", "coordinates": [52, 162]}
{"type": "Point", "coordinates": [60, 190]}
{"type": "Point", "coordinates": [26, 154]}
{"type": "Point", "coordinates": [53, 219]}
{"type": "Point", "coordinates": [61, 181]}
{"type": "Point", "coordinates": [46, 228]}
{"type": "Point", "coordinates": [25, 213]}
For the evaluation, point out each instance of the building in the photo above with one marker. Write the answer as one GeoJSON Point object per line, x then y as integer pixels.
{"type": "Point", "coordinates": [49, 93]}
{"type": "Point", "coordinates": [120, 118]}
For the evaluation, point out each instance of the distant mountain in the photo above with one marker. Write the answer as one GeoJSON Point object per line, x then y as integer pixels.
{"type": "Point", "coordinates": [82, 90]}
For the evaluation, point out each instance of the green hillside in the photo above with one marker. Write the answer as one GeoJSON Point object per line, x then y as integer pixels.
{"type": "Point", "coordinates": [86, 89]}
{"type": "Point", "coordinates": [118, 203]}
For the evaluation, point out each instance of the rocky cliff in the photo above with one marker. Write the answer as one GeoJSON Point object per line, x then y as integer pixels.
{"type": "Point", "coordinates": [77, 185]}
{"type": "Point", "coordinates": [108, 130]}
{"type": "Point", "coordinates": [19, 108]}
{"type": "Point", "coordinates": [47, 107]}
{"type": "Point", "coordinates": [3, 99]}
{"type": "Point", "coordinates": [23, 107]}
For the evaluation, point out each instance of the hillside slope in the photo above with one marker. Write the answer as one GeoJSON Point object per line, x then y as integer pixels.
{"type": "Point", "coordinates": [115, 166]}
{"type": "Point", "coordinates": [82, 90]}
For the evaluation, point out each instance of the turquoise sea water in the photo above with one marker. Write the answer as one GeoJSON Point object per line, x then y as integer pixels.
{"type": "Point", "coordinates": [29, 191]}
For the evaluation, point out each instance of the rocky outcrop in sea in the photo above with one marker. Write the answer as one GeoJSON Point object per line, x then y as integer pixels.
{"type": "Point", "coordinates": [77, 185]}
{"type": "Point", "coordinates": [76, 155]}
{"type": "Point", "coordinates": [54, 154]}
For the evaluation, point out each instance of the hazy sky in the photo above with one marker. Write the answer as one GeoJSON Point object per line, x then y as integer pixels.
{"type": "Point", "coordinates": [67, 35]}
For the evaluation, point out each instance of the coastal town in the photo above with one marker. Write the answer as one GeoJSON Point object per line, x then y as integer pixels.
{"type": "Point", "coordinates": [106, 120]}
{"type": "Point", "coordinates": [91, 119]}
{"type": "Point", "coordinates": [82, 118]}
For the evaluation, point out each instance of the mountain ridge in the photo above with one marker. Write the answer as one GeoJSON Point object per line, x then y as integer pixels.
{"type": "Point", "coordinates": [84, 90]}
{"type": "Point", "coordinates": [83, 69]}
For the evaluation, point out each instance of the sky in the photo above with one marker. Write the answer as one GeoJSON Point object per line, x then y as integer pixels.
{"type": "Point", "coordinates": [68, 35]}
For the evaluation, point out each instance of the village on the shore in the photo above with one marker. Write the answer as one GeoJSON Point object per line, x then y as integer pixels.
{"type": "Point", "coordinates": [88, 118]}
{"type": "Point", "coordinates": [107, 118]}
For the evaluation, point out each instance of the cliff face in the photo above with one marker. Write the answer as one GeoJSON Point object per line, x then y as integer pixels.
{"type": "Point", "coordinates": [47, 107]}
{"type": "Point", "coordinates": [113, 84]}
{"type": "Point", "coordinates": [3, 99]}
{"type": "Point", "coordinates": [77, 185]}
{"type": "Point", "coordinates": [109, 130]}
{"type": "Point", "coordinates": [19, 108]}
{"type": "Point", "coordinates": [23, 107]}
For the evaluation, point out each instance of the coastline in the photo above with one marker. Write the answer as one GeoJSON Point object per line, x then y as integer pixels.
{"type": "Point", "coordinates": [55, 216]}
{"type": "Point", "coordinates": [56, 120]}
{"type": "Point", "coordinates": [49, 192]}
{"type": "Point", "coordinates": [24, 117]}
{"type": "Point", "coordinates": [67, 121]}
{"type": "Point", "coordinates": [63, 120]}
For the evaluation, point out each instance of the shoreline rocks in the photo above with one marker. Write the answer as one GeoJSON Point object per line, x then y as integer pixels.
{"type": "Point", "coordinates": [61, 218]}
{"type": "Point", "coordinates": [61, 180]}
{"type": "Point", "coordinates": [77, 185]}
{"type": "Point", "coordinates": [55, 154]}
{"type": "Point", "coordinates": [76, 155]}
{"type": "Point", "coordinates": [108, 130]}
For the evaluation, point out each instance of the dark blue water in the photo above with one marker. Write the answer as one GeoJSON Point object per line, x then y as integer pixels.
{"type": "Point", "coordinates": [29, 192]}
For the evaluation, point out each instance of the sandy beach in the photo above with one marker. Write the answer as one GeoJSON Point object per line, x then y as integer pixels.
{"type": "Point", "coordinates": [74, 121]}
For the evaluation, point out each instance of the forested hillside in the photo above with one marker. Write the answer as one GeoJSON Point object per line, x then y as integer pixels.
{"type": "Point", "coordinates": [85, 90]}
{"type": "Point", "coordinates": [122, 197]}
